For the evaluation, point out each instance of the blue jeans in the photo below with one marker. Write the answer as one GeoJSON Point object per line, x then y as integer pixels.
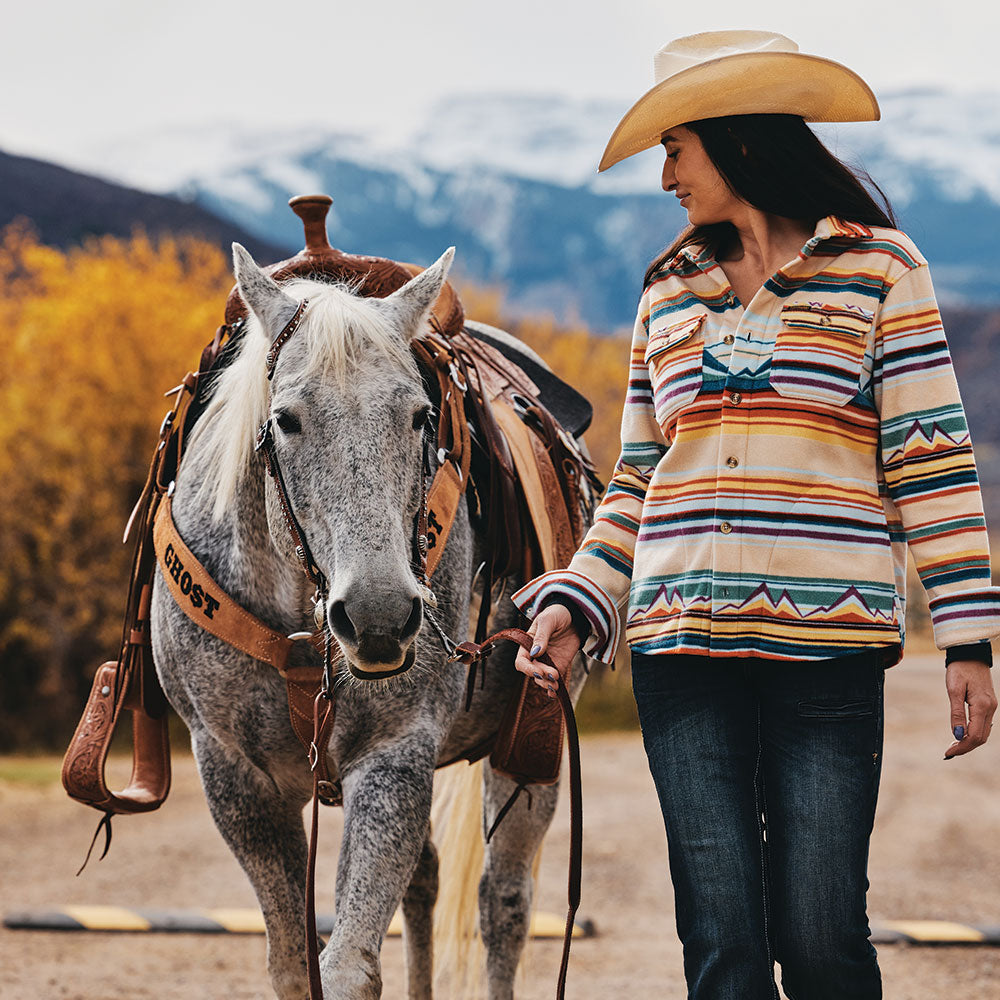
{"type": "Point", "coordinates": [767, 774]}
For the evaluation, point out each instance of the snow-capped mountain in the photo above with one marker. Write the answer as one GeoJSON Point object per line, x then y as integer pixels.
{"type": "Point", "coordinates": [511, 180]}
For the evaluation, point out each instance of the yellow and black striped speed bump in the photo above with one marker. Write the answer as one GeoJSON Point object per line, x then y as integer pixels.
{"type": "Point", "coordinates": [223, 921]}
{"type": "Point", "coordinates": [543, 925]}
{"type": "Point", "coordinates": [940, 932]}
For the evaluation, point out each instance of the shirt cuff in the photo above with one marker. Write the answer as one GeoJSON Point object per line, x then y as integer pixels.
{"type": "Point", "coordinates": [593, 601]}
{"type": "Point", "coordinates": [981, 652]}
{"type": "Point", "coordinates": [965, 616]}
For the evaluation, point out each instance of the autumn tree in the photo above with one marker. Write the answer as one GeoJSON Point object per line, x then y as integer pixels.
{"type": "Point", "coordinates": [93, 337]}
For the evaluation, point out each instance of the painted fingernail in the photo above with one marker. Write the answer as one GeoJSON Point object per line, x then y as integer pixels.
{"type": "Point", "coordinates": [959, 732]}
{"type": "Point", "coordinates": [535, 650]}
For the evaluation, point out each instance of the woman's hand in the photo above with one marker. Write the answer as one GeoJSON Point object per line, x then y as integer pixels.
{"type": "Point", "coordinates": [554, 634]}
{"type": "Point", "coordinates": [969, 683]}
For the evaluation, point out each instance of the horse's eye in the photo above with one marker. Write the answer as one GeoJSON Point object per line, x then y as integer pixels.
{"type": "Point", "coordinates": [420, 417]}
{"type": "Point", "coordinates": [288, 422]}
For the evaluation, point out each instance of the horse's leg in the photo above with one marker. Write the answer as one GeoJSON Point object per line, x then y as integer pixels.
{"type": "Point", "coordinates": [264, 831]}
{"type": "Point", "coordinates": [418, 913]}
{"type": "Point", "coordinates": [505, 889]}
{"type": "Point", "coordinates": [387, 806]}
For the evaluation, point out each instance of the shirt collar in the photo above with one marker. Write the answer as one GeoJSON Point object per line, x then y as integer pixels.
{"type": "Point", "coordinates": [832, 228]}
{"type": "Point", "coordinates": [696, 253]}
{"type": "Point", "coordinates": [829, 228]}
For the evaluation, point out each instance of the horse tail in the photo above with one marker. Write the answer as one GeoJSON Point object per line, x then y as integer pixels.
{"type": "Point", "coordinates": [456, 819]}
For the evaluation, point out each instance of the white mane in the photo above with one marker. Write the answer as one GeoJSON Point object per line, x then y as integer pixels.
{"type": "Point", "coordinates": [339, 330]}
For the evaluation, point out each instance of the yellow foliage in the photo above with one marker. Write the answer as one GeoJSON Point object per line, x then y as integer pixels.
{"type": "Point", "coordinates": [93, 338]}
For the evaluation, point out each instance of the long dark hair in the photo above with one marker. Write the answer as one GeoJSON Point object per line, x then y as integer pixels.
{"type": "Point", "coordinates": [777, 164]}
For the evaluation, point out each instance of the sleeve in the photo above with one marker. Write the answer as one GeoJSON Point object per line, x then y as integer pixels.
{"type": "Point", "coordinates": [598, 577]}
{"type": "Point", "coordinates": [927, 461]}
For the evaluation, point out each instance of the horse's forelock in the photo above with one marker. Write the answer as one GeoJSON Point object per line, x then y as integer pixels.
{"type": "Point", "coordinates": [338, 334]}
{"type": "Point", "coordinates": [342, 329]}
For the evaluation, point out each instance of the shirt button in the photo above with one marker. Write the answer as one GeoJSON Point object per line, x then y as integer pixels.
{"type": "Point", "coordinates": [728, 338]}
{"type": "Point", "coordinates": [732, 461]}
{"type": "Point", "coordinates": [725, 527]}
{"type": "Point", "coordinates": [735, 398]}
{"type": "Point", "coordinates": [825, 320]}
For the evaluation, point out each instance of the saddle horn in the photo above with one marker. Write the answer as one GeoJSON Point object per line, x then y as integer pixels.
{"type": "Point", "coordinates": [375, 276]}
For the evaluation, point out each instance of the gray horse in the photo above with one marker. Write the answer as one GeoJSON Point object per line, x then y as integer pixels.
{"type": "Point", "coordinates": [349, 405]}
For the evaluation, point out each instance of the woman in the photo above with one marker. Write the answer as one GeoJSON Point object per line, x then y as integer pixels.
{"type": "Point", "coordinates": [792, 423]}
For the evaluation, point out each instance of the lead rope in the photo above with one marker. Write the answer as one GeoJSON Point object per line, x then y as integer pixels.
{"type": "Point", "coordinates": [471, 652]}
{"type": "Point", "coordinates": [323, 716]}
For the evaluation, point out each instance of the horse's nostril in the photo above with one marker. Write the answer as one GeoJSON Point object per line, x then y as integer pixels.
{"type": "Point", "coordinates": [412, 625]}
{"type": "Point", "coordinates": [341, 624]}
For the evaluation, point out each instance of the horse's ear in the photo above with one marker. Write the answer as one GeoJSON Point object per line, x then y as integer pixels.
{"type": "Point", "coordinates": [273, 307]}
{"type": "Point", "coordinates": [411, 304]}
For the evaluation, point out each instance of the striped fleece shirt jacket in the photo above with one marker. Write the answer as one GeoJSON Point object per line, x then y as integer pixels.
{"type": "Point", "coordinates": [778, 459]}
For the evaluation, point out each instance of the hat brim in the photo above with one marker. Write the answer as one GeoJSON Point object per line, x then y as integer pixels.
{"type": "Point", "coordinates": [749, 83]}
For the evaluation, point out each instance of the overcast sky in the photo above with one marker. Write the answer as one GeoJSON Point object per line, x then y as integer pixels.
{"type": "Point", "coordinates": [73, 72]}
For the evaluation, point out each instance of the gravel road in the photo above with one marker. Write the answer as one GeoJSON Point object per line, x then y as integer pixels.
{"type": "Point", "coordinates": [935, 855]}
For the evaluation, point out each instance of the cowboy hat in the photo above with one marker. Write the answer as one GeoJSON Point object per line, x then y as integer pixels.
{"type": "Point", "coordinates": [718, 73]}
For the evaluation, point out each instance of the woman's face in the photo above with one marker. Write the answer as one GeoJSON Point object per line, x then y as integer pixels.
{"type": "Point", "coordinates": [692, 177]}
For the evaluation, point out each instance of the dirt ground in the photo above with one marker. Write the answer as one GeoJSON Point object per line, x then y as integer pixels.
{"type": "Point", "coordinates": [935, 855]}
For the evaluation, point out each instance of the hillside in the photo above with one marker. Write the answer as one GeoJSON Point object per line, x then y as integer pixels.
{"type": "Point", "coordinates": [66, 207]}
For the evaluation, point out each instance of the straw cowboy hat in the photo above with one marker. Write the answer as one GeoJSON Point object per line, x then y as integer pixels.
{"type": "Point", "coordinates": [718, 73]}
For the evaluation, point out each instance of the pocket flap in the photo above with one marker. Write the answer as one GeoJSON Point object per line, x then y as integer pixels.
{"type": "Point", "coordinates": [824, 317]}
{"type": "Point", "coordinates": [671, 334]}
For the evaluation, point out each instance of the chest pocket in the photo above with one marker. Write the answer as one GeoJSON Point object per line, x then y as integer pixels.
{"type": "Point", "coordinates": [820, 351]}
{"type": "Point", "coordinates": [674, 359]}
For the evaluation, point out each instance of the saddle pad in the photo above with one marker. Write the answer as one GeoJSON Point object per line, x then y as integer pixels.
{"type": "Point", "coordinates": [569, 407]}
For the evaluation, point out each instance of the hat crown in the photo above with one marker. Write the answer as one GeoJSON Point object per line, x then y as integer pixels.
{"type": "Point", "coordinates": [691, 50]}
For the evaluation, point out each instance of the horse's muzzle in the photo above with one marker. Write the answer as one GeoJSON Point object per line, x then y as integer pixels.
{"type": "Point", "coordinates": [378, 642]}
{"type": "Point", "coordinates": [377, 673]}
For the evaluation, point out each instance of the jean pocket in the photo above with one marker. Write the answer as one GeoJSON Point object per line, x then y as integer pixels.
{"type": "Point", "coordinates": [674, 358]}
{"type": "Point", "coordinates": [819, 352]}
{"type": "Point", "coordinates": [836, 708]}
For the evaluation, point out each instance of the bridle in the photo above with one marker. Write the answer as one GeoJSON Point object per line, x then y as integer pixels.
{"type": "Point", "coordinates": [266, 446]}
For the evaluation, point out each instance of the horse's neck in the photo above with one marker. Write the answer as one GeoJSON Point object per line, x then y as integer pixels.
{"type": "Point", "coordinates": [238, 552]}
